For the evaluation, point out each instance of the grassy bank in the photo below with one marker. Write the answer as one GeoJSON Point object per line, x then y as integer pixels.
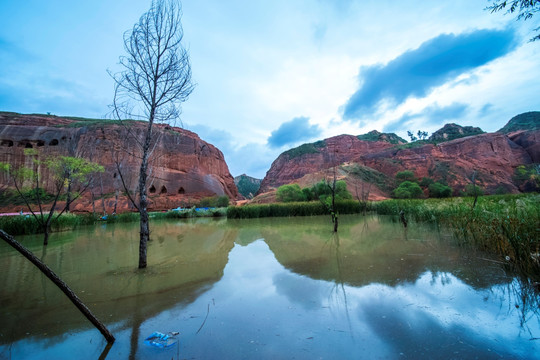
{"type": "Point", "coordinates": [27, 224]}
{"type": "Point", "coordinates": [312, 208]}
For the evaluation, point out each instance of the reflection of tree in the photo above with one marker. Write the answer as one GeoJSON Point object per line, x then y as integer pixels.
{"type": "Point", "coordinates": [339, 283]}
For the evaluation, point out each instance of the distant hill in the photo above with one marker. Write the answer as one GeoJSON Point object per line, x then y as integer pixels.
{"type": "Point", "coordinates": [247, 185]}
{"type": "Point", "coordinates": [526, 121]}
{"type": "Point", "coordinates": [378, 136]}
{"type": "Point", "coordinates": [454, 131]}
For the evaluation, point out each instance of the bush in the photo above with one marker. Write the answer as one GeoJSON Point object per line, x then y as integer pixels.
{"type": "Point", "coordinates": [426, 182]}
{"type": "Point", "coordinates": [439, 190]}
{"type": "Point", "coordinates": [214, 201]}
{"type": "Point", "coordinates": [406, 175]}
{"type": "Point", "coordinates": [408, 190]}
{"type": "Point", "coordinates": [290, 193]}
{"type": "Point", "coordinates": [472, 190]}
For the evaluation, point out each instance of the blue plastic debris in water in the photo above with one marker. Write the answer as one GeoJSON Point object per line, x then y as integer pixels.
{"type": "Point", "coordinates": [160, 340]}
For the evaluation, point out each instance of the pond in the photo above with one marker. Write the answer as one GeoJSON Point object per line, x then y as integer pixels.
{"type": "Point", "coordinates": [285, 288]}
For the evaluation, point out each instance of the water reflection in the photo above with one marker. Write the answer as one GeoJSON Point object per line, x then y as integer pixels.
{"type": "Point", "coordinates": [269, 288]}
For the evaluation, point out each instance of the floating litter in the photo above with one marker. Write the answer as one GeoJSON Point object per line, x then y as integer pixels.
{"type": "Point", "coordinates": [161, 340]}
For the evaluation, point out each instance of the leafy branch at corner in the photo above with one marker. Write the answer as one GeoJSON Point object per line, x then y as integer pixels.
{"type": "Point", "coordinates": [524, 8]}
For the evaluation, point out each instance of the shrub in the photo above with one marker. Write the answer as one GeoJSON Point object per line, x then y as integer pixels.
{"type": "Point", "coordinates": [290, 193]}
{"type": "Point", "coordinates": [214, 201]}
{"type": "Point", "coordinates": [439, 190]}
{"type": "Point", "coordinates": [408, 190]}
{"type": "Point", "coordinates": [426, 182]}
{"type": "Point", "coordinates": [472, 190]}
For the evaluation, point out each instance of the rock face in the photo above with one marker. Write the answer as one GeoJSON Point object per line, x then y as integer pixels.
{"type": "Point", "coordinates": [309, 158]}
{"type": "Point", "coordinates": [493, 157]}
{"type": "Point", "coordinates": [183, 168]}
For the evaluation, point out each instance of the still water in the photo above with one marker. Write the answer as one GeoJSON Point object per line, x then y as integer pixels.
{"type": "Point", "coordinates": [278, 288]}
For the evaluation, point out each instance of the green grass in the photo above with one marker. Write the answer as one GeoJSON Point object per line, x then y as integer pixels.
{"type": "Point", "coordinates": [311, 148]}
{"type": "Point", "coordinates": [312, 208]}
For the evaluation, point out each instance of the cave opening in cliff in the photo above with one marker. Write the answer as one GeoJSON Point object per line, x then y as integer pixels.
{"type": "Point", "coordinates": [152, 189]}
{"type": "Point", "coordinates": [28, 146]}
{"type": "Point", "coordinates": [181, 191]}
{"type": "Point", "coordinates": [40, 143]}
{"type": "Point", "coordinates": [8, 143]}
{"type": "Point", "coordinates": [163, 190]}
{"type": "Point", "coordinates": [53, 142]}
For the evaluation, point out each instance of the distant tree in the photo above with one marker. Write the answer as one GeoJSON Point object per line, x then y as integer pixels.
{"type": "Point", "coordinates": [290, 193]}
{"type": "Point", "coordinates": [156, 79]}
{"type": "Point", "coordinates": [422, 135]}
{"type": "Point", "coordinates": [524, 8]}
{"type": "Point", "coordinates": [411, 135]}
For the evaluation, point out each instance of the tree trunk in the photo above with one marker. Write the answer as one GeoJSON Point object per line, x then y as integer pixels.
{"type": "Point", "coordinates": [58, 282]}
{"type": "Point", "coordinates": [143, 201]}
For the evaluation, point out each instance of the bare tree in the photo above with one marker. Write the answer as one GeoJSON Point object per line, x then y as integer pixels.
{"type": "Point", "coordinates": [156, 79]}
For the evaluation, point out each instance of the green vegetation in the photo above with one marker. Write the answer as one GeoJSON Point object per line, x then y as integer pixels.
{"type": "Point", "coordinates": [506, 225]}
{"type": "Point", "coordinates": [290, 193]}
{"type": "Point", "coordinates": [377, 136]}
{"type": "Point", "coordinates": [311, 208]}
{"type": "Point", "coordinates": [439, 190]}
{"type": "Point", "coordinates": [406, 175]}
{"type": "Point", "coordinates": [214, 201]}
{"type": "Point", "coordinates": [472, 190]}
{"type": "Point", "coordinates": [526, 121]}
{"type": "Point", "coordinates": [408, 190]}
{"type": "Point", "coordinates": [369, 175]}
{"type": "Point", "coordinates": [321, 191]}
{"type": "Point", "coordinates": [311, 148]}
{"type": "Point", "coordinates": [527, 177]}
{"type": "Point", "coordinates": [247, 186]}
{"type": "Point", "coordinates": [453, 131]}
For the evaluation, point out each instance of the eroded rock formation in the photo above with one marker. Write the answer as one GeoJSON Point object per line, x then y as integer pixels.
{"type": "Point", "coordinates": [493, 157]}
{"type": "Point", "coordinates": [184, 168]}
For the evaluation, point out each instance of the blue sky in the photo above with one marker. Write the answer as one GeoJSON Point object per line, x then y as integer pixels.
{"type": "Point", "coordinates": [275, 74]}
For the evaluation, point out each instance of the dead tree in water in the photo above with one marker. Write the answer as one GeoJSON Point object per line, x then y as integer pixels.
{"type": "Point", "coordinates": [156, 79]}
{"type": "Point", "coordinates": [58, 282]}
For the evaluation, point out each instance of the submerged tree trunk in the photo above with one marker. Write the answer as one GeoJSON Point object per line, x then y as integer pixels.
{"type": "Point", "coordinates": [143, 201]}
{"type": "Point", "coordinates": [58, 282]}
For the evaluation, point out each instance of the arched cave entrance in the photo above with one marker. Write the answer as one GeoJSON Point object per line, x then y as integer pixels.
{"type": "Point", "coordinates": [181, 191]}
{"type": "Point", "coordinates": [152, 189]}
{"type": "Point", "coordinates": [163, 190]}
{"type": "Point", "coordinates": [53, 142]}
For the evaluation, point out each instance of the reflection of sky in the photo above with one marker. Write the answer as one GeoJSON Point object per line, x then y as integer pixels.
{"type": "Point", "coordinates": [261, 310]}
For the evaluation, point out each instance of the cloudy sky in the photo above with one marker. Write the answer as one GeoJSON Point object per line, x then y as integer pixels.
{"type": "Point", "coordinates": [275, 74]}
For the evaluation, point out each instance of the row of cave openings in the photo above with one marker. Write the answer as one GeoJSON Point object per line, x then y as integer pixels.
{"type": "Point", "coordinates": [28, 145]}
{"type": "Point", "coordinates": [163, 190]}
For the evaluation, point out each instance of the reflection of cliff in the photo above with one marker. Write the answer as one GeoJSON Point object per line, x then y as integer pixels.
{"type": "Point", "coordinates": [370, 250]}
{"type": "Point", "coordinates": [100, 266]}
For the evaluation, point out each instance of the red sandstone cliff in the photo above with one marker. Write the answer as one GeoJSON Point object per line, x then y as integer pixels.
{"type": "Point", "coordinates": [184, 168]}
{"type": "Point", "coordinates": [493, 157]}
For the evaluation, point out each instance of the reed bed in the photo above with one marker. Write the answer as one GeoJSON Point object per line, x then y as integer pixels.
{"type": "Point", "coordinates": [507, 225]}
